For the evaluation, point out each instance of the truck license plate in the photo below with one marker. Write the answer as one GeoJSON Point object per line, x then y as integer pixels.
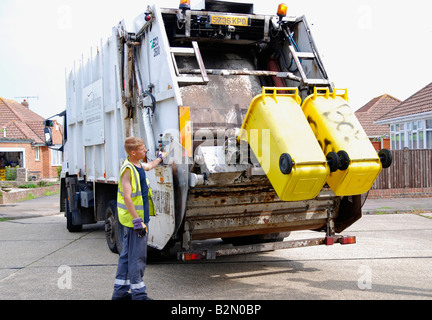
{"type": "Point", "coordinates": [230, 21]}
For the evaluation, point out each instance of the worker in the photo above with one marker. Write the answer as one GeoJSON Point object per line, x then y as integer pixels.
{"type": "Point", "coordinates": [133, 213]}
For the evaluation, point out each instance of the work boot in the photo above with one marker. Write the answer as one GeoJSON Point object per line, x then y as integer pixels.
{"type": "Point", "coordinates": [128, 296]}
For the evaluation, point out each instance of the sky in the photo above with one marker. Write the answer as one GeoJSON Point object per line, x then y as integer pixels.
{"type": "Point", "coordinates": [369, 47]}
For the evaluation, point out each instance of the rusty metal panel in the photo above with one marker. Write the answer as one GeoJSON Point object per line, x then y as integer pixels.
{"type": "Point", "coordinates": [240, 210]}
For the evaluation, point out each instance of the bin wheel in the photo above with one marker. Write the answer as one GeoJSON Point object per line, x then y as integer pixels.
{"type": "Point", "coordinates": [285, 163]}
{"type": "Point", "coordinates": [333, 161]}
{"type": "Point", "coordinates": [344, 160]}
{"type": "Point", "coordinates": [386, 158]}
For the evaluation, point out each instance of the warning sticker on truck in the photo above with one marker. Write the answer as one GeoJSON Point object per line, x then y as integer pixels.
{"type": "Point", "coordinates": [93, 114]}
{"type": "Point", "coordinates": [154, 45]}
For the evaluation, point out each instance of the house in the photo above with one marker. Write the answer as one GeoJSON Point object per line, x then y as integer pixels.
{"type": "Point", "coordinates": [22, 141]}
{"type": "Point", "coordinates": [370, 112]}
{"type": "Point", "coordinates": [411, 121]}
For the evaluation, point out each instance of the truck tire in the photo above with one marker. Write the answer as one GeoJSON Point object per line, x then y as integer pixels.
{"type": "Point", "coordinates": [69, 225]}
{"type": "Point", "coordinates": [113, 228]}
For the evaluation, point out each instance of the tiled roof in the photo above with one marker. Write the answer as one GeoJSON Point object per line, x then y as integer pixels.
{"type": "Point", "coordinates": [372, 130]}
{"type": "Point", "coordinates": [374, 110]}
{"type": "Point", "coordinates": [20, 122]}
{"type": "Point", "coordinates": [418, 103]}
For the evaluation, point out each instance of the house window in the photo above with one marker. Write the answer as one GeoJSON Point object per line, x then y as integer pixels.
{"type": "Point", "coordinates": [417, 135]}
{"type": "Point", "coordinates": [413, 135]}
{"type": "Point", "coordinates": [56, 158]}
{"type": "Point", "coordinates": [429, 139]}
{"type": "Point", "coordinates": [429, 134]}
{"type": "Point", "coordinates": [409, 140]}
{"type": "Point", "coordinates": [37, 153]}
{"type": "Point", "coordinates": [421, 140]}
{"type": "Point", "coordinates": [414, 140]}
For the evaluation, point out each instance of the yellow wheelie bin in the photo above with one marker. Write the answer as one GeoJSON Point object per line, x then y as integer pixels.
{"type": "Point", "coordinates": [284, 144]}
{"type": "Point", "coordinates": [338, 130]}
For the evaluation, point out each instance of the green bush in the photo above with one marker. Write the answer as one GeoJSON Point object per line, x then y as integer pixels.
{"type": "Point", "coordinates": [42, 184]}
{"type": "Point", "coordinates": [11, 173]}
{"type": "Point", "coordinates": [27, 186]}
{"type": "Point", "coordinates": [59, 169]}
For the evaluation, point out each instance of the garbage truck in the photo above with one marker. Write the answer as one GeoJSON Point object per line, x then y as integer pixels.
{"type": "Point", "coordinates": [258, 141]}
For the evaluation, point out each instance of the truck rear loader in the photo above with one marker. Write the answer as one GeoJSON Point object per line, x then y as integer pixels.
{"type": "Point", "coordinates": [259, 142]}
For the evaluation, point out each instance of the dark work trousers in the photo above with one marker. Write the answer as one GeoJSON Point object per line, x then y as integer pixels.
{"type": "Point", "coordinates": [131, 267]}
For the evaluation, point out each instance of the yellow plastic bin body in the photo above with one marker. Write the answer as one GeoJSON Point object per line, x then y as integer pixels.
{"type": "Point", "coordinates": [337, 129]}
{"type": "Point", "coordinates": [274, 127]}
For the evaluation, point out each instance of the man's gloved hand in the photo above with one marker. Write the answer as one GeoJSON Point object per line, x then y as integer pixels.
{"type": "Point", "coordinates": [139, 227]}
{"type": "Point", "coordinates": [162, 155]}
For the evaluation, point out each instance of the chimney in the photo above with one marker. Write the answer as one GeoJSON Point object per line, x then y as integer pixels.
{"type": "Point", "coordinates": [25, 104]}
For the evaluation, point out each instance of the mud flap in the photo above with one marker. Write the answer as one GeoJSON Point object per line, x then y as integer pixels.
{"type": "Point", "coordinates": [350, 210]}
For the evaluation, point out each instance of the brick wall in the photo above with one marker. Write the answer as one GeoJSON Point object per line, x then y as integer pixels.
{"type": "Point", "coordinates": [383, 144]}
{"type": "Point", "coordinates": [400, 193]}
{"type": "Point", "coordinates": [386, 143]}
{"type": "Point", "coordinates": [377, 145]}
{"type": "Point", "coordinates": [12, 197]}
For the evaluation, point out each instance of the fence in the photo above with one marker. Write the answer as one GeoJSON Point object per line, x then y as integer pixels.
{"type": "Point", "coordinates": [409, 174]}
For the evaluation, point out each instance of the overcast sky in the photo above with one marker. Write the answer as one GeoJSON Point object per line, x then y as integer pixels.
{"type": "Point", "coordinates": [370, 47]}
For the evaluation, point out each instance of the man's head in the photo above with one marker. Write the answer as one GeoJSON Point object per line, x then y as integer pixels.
{"type": "Point", "coordinates": [135, 147]}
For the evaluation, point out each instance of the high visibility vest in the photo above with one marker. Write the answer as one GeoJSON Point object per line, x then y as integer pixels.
{"type": "Point", "coordinates": [150, 198]}
{"type": "Point", "coordinates": [124, 216]}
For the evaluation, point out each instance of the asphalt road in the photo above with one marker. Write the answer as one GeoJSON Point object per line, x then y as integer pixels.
{"type": "Point", "coordinates": [41, 260]}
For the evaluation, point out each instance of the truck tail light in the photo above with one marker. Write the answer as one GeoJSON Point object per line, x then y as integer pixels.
{"type": "Point", "coordinates": [329, 241]}
{"type": "Point", "coordinates": [348, 240]}
{"type": "Point", "coordinates": [191, 256]}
